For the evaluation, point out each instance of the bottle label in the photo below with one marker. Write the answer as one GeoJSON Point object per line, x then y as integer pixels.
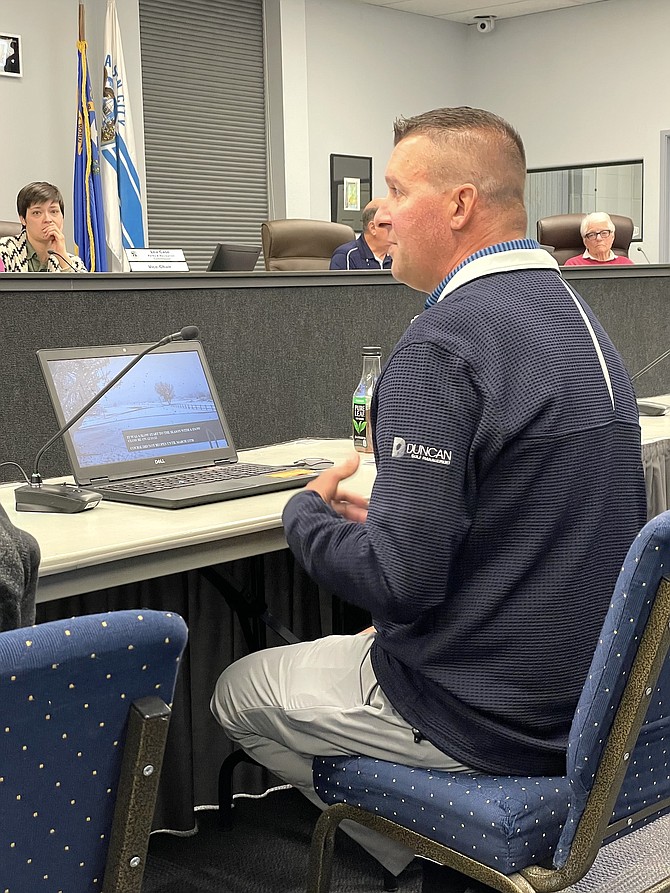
{"type": "Point", "coordinates": [360, 415]}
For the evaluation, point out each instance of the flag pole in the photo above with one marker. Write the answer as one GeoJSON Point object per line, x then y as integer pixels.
{"type": "Point", "coordinates": [122, 189]}
{"type": "Point", "coordinates": [89, 227]}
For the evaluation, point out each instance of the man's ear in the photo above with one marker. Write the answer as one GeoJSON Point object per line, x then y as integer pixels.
{"type": "Point", "coordinates": [463, 201]}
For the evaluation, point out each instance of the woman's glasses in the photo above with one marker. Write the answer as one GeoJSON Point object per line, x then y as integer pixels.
{"type": "Point", "coordinates": [603, 233]}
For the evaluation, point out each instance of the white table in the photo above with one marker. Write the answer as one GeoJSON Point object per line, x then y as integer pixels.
{"type": "Point", "coordinates": [115, 543]}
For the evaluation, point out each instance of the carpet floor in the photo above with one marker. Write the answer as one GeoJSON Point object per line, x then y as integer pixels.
{"type": "Point", "coordinates": [268, 847]}
{"type": "Point", "coordinates": [266, 851]}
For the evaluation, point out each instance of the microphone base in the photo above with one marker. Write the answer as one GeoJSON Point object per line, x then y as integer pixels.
{"type": "Point", "coordinates": [55, 498]}
{"type": "Point", "coordinates": [649, 408]}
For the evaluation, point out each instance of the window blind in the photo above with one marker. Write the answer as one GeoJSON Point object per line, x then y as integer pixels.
{"type": "Point", "coordinates": [204, 124]}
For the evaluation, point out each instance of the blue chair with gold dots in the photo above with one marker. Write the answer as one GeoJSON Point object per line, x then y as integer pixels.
{"type": "Point", "coordinates": [528, 834]}
{"type": "Point", "coordinates": [83, 720]}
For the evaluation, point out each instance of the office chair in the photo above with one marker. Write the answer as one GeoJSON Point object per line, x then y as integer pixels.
{"type": "Point", "coordinates": [521, 834]}
{"type": "Point", "coordinates": [9, 228]}
{"type": "Point", "coordinates": [84, 714]}
{"type": "Point", "coordinates": [562, 233]}
{"type": "Point", "coordinates": [302, 244]}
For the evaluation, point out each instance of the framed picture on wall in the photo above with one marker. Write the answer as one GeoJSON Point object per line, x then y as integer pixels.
{"type": "Point", "coordinates": [350, 188]}
{"type": "Point", "coordinates": [352, 194]}
{"type": "Point", "coordinates": [10, 56]}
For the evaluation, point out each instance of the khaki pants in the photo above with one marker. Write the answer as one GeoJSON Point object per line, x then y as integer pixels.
{"type": "Point", "coordinates": [285, 705]}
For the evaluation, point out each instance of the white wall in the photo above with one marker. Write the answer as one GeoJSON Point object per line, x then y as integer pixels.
{"type": "Point", "coordinates": [38, 110]}
{"type": "Point", "coordinates": [294, 110]}
{"type": "Point", "coordinates": [538, 72]}
{"type": "Point", "coordinates": [366, 66]}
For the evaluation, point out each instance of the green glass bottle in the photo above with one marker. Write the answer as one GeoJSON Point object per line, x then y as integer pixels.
{"type": "Point", "coordinates": [360, 406]}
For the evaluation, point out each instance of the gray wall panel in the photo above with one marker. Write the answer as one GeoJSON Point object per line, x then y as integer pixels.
{"type": "Point", "coordinates": [286, 360]}
{"type": "Point", "coordinates": [633, 304]}
{"type": "Point", "coordinates": [284, 348]}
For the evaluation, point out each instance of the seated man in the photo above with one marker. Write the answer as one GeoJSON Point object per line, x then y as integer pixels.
{"type": "Point", "coordinates": [40, 246]}
{"type": "Point", "coordinates": [508, 490]}
{"type": "Point", "coordinates": [368, 251]}
{"type": "Point", "coordinates": [597, 232]}
{"type": "Point", "coordinates": [19, 563]}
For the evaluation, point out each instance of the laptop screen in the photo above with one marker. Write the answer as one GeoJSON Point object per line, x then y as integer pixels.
{"type": "Point", "coordinates": [164, 414]}
{"type": "Point", "coordinates": [229, 258]}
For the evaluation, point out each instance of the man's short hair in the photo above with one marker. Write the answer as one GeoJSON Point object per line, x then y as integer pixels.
{"type": "Point", "coordinates": [487, 144]}
{"type": "Point", "coordinates": [37, 194]}
{"type": "Point", "coordinates": [368, 214]}
{"type": "Point", "coordinates": [594, 215]}
{"type": "Point", "coordinates": [459, 119]}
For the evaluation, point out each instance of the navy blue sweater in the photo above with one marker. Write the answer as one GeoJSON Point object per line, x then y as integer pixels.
{"type": "Point", "coordinates": [357, 255]}
{"type": "Point", "coordinates": [509, 487]}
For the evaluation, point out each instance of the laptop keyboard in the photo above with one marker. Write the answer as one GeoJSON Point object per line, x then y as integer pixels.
{"type": "Point", "coordinates": [188, 478]}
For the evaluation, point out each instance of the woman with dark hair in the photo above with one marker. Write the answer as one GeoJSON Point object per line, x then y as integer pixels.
{"type": "Point", "coordinates": [40, 246]}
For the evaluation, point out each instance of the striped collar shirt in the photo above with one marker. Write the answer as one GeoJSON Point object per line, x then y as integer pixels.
{"type": "Point", "coordinates": [512, 245]}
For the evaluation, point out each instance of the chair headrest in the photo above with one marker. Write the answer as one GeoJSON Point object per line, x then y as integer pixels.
{"type": "Point", "coordinates": [298, 244]}
{"type": "Point", "coordinates": [562, 232]}
{"type": "Point", "coordinates": [9, 228]}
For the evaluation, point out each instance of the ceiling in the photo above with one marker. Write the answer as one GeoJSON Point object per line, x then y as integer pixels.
{"type": "Point", "coordinates": [465, 11]}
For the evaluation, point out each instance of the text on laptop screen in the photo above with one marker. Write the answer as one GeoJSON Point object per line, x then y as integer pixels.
{"type": "Point", "coordinates": [163, 406]}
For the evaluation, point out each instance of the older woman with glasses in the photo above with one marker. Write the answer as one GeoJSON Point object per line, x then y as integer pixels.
{"type": "Point", "coordinates": [597, 231]}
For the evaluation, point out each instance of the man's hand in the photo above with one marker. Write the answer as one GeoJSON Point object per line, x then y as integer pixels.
{"type": "Point", "coordinates": [351, 506]}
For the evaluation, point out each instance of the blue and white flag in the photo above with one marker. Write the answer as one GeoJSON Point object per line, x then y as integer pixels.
{"type": "Point", "coordinates": [89, 223]}
{"type": "Point", "coordinates": [124, 219]}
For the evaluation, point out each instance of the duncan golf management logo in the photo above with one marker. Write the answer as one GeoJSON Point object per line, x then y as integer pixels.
{"type": "Point", "coordinates": [401, 449]}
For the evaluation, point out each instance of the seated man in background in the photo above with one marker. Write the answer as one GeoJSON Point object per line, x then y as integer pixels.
{"type": "Point", "coordinates": [597, 232]}
{"type": "Point", "coordinates": [509, 488]}
{"type": "Point", "coordinates": [369, 250]}
{"type": "Point", "coordinates": [40, 246]}
{"type": "Point", "coordinates": [19, 564]}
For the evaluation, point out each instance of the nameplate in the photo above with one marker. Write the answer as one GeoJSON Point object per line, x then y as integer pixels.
{"type": "Point", "coordinates": [156, 260]}
{"type": "Point", "coordinates": [160, 254]}
{"type": "Point", "coordinates": [154, 266]}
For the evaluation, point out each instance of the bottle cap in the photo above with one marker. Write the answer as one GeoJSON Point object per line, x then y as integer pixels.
{"type": "Point", "coordinates": [372, 351]}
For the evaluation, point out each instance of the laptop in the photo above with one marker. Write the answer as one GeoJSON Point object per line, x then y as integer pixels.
{"type": "Point", "coordinates": [229, 258]}
{"type": "Point", "coordinates": [159, 437]}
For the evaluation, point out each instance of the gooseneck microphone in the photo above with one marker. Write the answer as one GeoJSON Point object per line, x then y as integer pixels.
{"type": "Point", "coordinates": [650, 365]}
{"type": "Point", "coordinates": [643, 253]}
{"type": "Point", "coordinates": [56, 254]}
{"type": "Point", "coordinates": [39, 497]}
